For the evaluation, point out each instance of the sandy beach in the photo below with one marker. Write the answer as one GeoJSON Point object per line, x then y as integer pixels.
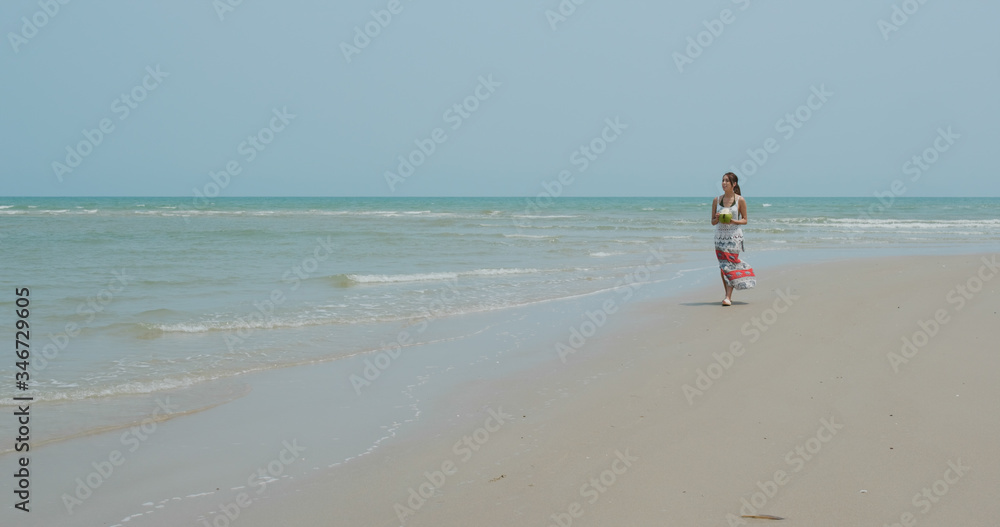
{"type": "Point", "coordinates": [853, 392]}
{"type": "Point", "coordinates": [804, 401]}
{"type": "Point", "coordinates": [404, 264]}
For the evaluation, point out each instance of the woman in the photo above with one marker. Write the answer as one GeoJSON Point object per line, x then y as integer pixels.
{"type": "Point", "coordinates": [729, 238]}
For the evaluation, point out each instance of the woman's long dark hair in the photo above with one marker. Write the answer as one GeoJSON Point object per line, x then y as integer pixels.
{"type": "Point", "coordinates": [734, 181]}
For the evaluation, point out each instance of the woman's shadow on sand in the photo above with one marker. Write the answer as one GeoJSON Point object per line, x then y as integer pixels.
{"type": "Point", "coordinates": [716, 304]}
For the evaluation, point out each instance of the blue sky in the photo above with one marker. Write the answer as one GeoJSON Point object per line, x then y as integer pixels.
{"type": "Point", "coordinates": [297, 104]}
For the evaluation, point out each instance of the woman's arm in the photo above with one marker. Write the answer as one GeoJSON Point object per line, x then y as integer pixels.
{"type": "Point", "coordinates": [715, 216]}
{"type": "Point", "coordinates": [743, 212]}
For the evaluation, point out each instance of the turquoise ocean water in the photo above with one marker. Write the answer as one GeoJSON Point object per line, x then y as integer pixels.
{"type": "Point", "coordinates": [166, 294]}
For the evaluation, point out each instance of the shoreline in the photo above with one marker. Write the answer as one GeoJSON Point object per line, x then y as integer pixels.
{"type": "Point", "coordinates": [545, 398]}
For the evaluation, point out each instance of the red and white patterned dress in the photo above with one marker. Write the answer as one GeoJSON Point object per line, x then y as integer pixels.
{"type": "Point", "coordinates": [728, 246]}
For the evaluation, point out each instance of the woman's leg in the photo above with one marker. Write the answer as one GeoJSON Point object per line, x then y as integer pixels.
{"type": "Point", "coordinates": [726, 286]}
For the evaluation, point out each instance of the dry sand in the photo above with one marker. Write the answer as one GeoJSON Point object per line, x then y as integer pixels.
{"type": "Point", "coordinates": [814, 421]}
